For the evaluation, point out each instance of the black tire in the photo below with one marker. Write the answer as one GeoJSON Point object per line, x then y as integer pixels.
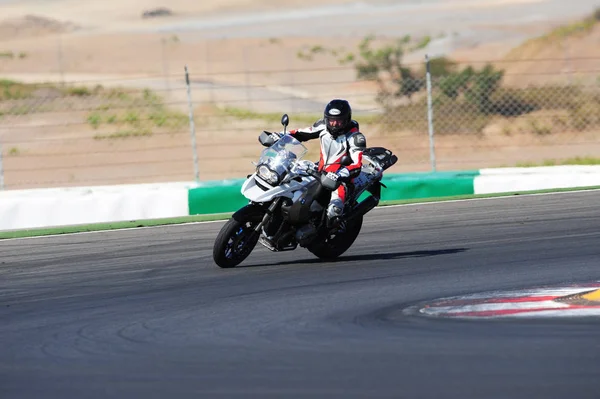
{"type": "Point", "coordinates": [235, 242]}
{"type": "Point", "coordinates": [336, 245]}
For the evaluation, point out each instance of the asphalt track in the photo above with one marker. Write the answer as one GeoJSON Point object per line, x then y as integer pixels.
{"type": "Point", "coordinates": [145, 313]}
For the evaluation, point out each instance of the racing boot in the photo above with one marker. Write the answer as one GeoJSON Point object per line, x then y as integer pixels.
{"type": "Point", "coordinates": [334, 213]}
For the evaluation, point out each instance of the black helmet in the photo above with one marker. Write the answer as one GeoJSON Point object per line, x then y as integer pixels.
{"type": "Point", "coordinates": [338, 116]}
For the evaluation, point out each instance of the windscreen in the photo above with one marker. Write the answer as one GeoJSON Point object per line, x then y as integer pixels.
{"type": "Point", "coordinates": [281, 154]}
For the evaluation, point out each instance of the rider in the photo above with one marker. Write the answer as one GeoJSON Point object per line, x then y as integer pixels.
{"type": "Point", "coordinates": [341, 142]}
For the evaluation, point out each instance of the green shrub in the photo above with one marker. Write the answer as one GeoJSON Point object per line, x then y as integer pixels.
{"type": "Point", "coordinates": [440, 67]}
{"type": "Point", "coordinates": [80, 91]}
{"type": "Point", "coordinates": [477, 87]}
{"type": "Point", "coordinates": [94, 119]}
{"type": "Point", "coordinates": [510, 103]}
{"type": "Point", "coordinates": [450, 117]}
{"type": "Point", "coordinates": [7, 83]}
{"type": "Point", "coordinates": [132, 117]}
{"type": "Point", "coordinates": [159, 118]}
{"type": "Point", "coordinates": [11, 90]}
{"type": "Point", "coordinates": [150, 98]}
{"type": "Point", "coordinates": [483, 86]}
{"type": "Point", "coordinates": [124, 134]}
{"type": "Point", "coordinates": [424, 42]}
{"type": "Point", "coordinates": [453, 84]}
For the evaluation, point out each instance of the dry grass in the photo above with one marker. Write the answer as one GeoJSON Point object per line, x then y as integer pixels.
{"type": "Point", "coordinates": [577, 29]}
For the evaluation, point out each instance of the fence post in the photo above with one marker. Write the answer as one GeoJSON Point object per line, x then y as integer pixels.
{"type": "Point", "coordinates": [165, 62]}
{"type": "Point", "coordinates": [59, 56]}
{"type": "Point", "coordinates": [430, 116]}
{"type": "Point", "coordinates": [1, 170]}
{"type": "Point", "coordinates": [192, 125]}
{"type": "Point", "coordinates": [246, 78]}
{"type": "Point", "coordinates": [209, 73]}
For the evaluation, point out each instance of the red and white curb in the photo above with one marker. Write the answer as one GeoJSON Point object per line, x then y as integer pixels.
{"type": "Point", "coordinates": [548, 302]}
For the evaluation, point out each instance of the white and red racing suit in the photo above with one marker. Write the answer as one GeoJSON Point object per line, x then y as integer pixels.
{"type": "Point", "coordinates": [333, 149]}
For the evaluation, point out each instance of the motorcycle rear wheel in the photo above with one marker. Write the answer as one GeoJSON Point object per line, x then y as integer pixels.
{"type": "Point", "coordinates": [234, 243]}
{"type": "Point", "coordinates": [335, 245]}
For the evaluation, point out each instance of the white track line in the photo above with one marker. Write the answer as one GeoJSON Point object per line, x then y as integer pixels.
{"type": "Point", "coordinates": [500, 196]}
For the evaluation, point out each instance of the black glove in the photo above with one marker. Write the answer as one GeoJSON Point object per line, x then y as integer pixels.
{"type": "Point", "coordinates": [330, 181]}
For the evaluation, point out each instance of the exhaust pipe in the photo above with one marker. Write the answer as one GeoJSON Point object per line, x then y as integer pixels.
{"type": "Point", "coordinates": [365, 206]}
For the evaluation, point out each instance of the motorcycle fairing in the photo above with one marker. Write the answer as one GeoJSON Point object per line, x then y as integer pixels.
{"type": "Point", "coordinates": [252, 189]}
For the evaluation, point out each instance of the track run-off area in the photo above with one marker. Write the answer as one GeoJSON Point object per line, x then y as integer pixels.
{"type": "Point", "coordinates": [146, 313]}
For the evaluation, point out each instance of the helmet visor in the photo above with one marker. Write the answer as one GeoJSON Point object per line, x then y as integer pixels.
{"type": "Point", "coordinates": [335, 123]}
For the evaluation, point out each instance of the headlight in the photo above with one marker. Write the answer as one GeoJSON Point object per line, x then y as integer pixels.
{"type": "Point", "coordinates": [267, 174]}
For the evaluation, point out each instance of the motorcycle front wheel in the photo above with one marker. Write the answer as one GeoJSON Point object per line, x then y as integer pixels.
{"type": "Point", "coordinates": [235, 242]}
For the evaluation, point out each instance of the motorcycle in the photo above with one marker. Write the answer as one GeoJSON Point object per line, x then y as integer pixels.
{"type": "Point", "coordinates": [288, 202]}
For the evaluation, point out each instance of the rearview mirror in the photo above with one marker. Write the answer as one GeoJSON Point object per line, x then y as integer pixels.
{"type": "Point", "coordinates": [285, 120]}
{"type": "Point", "coordinates": [266, 139]}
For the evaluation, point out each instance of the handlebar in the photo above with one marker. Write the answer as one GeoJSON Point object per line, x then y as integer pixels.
{"type": "Point", "coordinates": [323, 181]}
{"type": "Point", "coordinates": [314, 173]}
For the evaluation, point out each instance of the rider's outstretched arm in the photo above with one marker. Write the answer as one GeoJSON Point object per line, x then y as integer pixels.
{"type": "Point", "coordinates": [309, 133]}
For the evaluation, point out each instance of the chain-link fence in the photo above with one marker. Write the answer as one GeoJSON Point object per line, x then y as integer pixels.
{"type": "Point", "coordinates": [483, 117]}
{"type": "Point", "coordinates": [138, 130]}
{"type": "Point", "coordinates": [490, 124]}
{"type": "Point", "coordinates": [85, 135]}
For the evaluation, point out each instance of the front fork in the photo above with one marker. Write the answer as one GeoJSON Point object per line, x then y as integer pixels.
{"type": "Point", "coordinates": [268, 215]}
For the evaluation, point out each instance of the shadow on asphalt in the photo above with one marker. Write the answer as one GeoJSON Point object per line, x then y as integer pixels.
{"type": "Point", "coordinates": [367, 257]}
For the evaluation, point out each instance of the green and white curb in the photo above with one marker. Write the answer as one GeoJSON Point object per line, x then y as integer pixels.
{"type": "Point", "coordinates": [225, 196]}
{"type": "Point", "coordinates": [42, 208]}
